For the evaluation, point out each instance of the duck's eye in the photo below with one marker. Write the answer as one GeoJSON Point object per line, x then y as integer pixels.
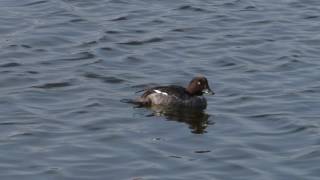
{"type": "Point", "coordinates": [199, 83]}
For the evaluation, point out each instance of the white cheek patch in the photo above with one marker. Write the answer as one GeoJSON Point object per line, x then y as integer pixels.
{"type": "Point", "coordinates": [160, 92]}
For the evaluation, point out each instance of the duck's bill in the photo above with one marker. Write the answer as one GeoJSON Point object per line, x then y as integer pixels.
{"type": "Point", "coordinates": [207, 91]}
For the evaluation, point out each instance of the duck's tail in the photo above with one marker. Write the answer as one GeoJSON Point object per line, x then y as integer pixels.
{"type": "Point", "coordinates": [136, 102]}
{"type": "Point", "coordinates": [130, 101]}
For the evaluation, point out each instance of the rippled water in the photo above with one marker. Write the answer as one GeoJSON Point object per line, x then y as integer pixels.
{"type": "Point", "coordinates": [66, 64]}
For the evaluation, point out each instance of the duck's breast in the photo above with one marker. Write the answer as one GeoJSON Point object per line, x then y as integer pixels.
{"type": "Point", "coordinates": [197, 102]}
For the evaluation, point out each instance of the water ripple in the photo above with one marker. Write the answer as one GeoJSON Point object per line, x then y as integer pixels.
{"type": "Point", "coordinates": [189, 7]}
{"type": "Point", "coordinates": [107, 79]}
{"type": "Point", "coordinates": [65, 66]}
{"type": "Point", "coordinates": [142, 42]}
{"type": "Point", "coordinates": [13, 64]}
{"type": "Point", "coordinates": [35, 3]}
{"type": "Point", "coordinates": [53, 85]}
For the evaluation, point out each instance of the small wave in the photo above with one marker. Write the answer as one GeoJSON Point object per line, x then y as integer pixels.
{"type": "Point", "coordinates": [188, 7]}
{"type": "Point", "coordinates": [77, 20]}
{"type": "Point", "coordinates": [121, 18]}
{"type": "Point", "coordinates": [202, 151]}
{"type": "Point", "coordinates": [13, 64]}
{"type": "Point", "coordinates": [311, 17]}
{"type": "Point", "coordinates": [112, 32]}
{"type": "Point", "coordinates": [53, 85]}
{"type": "Point", "coordinates": [32, 72]}
{"type": "Point", "coordinates": [134, 42]}
{"type": "Point", "coordinates": [107, 79]}
{"type": "Point", "coordinates": [266, 115]}
{"type": "Point", "coordinates": [35, 3]}
{"type": "Point", "coordinates": [82, 56]}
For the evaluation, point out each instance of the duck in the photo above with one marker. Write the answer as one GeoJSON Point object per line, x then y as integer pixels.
{"type": "Point", "coordinates": [178, 96]}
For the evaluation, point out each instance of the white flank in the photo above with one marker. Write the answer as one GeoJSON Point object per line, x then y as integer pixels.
{"type": "Point", "coordinates": [160, 92]}
{"type": "Point", "coordinates": [164, 93]}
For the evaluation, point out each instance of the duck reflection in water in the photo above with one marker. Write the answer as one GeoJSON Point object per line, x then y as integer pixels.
{"type": "Point", "coordinates": [197, 120]}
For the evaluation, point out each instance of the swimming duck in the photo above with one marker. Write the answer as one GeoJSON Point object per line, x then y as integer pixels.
{"type": "Point", "coordinates": [177, 96]}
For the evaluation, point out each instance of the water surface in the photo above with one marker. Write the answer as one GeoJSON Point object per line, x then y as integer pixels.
{"type": "Point", "coordinates": [65, 65]}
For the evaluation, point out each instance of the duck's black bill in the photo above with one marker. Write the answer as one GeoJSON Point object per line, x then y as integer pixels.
{"type": "Point", "coordinates": [208, 91]}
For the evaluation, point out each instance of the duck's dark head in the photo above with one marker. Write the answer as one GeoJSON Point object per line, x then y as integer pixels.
{"type": "Point", "coordinates": [198, 86]}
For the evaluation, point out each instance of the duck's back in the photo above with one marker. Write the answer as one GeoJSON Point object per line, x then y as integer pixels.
{"type": "Point", "coordinates": [173, 96]}
{"type": "Point", "coordinates": [175, 91]}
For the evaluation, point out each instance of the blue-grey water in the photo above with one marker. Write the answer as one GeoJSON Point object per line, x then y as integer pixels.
{"type": "Point", "coordinates": [65, 65]}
